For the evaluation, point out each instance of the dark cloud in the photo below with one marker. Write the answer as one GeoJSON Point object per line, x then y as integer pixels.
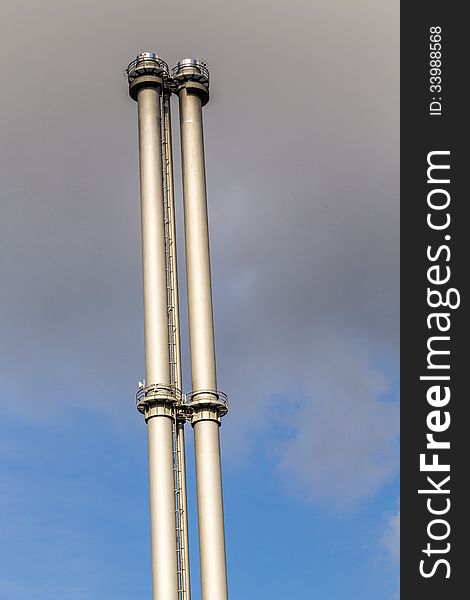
{"type": "Point", "coordinates": [302, 155]}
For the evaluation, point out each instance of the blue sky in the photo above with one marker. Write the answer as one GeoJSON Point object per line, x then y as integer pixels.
{"type": "Point", "coordinates": [302, 160]}
{"type": "Point", "coordinates": [75, 521]}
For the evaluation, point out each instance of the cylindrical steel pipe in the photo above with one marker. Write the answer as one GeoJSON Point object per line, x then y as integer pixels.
{"type": "Point", "coordinates": [210, 510]}
{"type": "Point", "coordinates": [159, 400]}
{"type": "Point", "coordinates": [172, 250]}
{"type": "Point", "coordinates": [201, 333]}
{"type": "Point", "coordinates": [162, 509]}
{"type": "Point", "coordinates": [183, 499]}
{"type": "Point", "coordinates": [196, 229]}
{"type": "Point", "coordinates": [177, 374]}
{"type": "Point", "coordinates": [157, 356]}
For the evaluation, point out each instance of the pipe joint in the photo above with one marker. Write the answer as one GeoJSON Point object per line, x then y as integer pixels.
{"type": "Point", "coordinates": [183, 412]}
{"type": "Point", "coordinates": [147, 70]}
{"type": "Point", "coordinates": [158, 400]}
{"type": "Point", "coordinates": [193, 87]}
{"type": "Point", "coordinates": [207, 405]}
{"type": "Point", "coordinates": [144, 82]}
{"type": "Point", "coordinates": [192, 75]}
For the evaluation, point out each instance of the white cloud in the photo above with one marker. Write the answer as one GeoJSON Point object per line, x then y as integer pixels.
{"type": "Point", "coordinates": [391, 537]}
{"type": "Point", "coordinates": [344, 445]}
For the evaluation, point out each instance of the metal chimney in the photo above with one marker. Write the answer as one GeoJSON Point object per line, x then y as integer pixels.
{"type": "Point", "coordinates": [160, 399]}
{"type": "Point", "coordinates": [208, 405]}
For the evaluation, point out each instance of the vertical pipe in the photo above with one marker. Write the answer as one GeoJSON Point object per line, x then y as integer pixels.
{"type": "Point", "coordinates": [201, 328]}
{"type": "Point", "coordinates": [178, 379]}
{"type": "Point", "coordinates": [210, 510]}
{"type": "Point", "coordinates": [201, 331]}
{"type": "Point", "coordinates": [157, 357]}
{"type": "Point", "coordinates": [162, 509]}
{"type": "Point", "coordinates": [160, 438]}
{"type": "Point", "coordinates": [172, 238]}
{"type": "Point", "coordinates": [183, 498]}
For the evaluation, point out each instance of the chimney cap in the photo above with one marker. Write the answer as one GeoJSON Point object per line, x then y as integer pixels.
{"type": "Point", "coordinates": [191, 69]}
{"type": "Point", "coordinates": [147, 63]}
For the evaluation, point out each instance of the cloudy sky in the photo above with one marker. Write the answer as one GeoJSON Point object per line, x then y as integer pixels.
{"type": "Point", "coordinates": [302, 161]}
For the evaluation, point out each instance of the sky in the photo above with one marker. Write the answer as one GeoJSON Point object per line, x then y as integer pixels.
{"type": "Point", "coordinates": [302, 163]}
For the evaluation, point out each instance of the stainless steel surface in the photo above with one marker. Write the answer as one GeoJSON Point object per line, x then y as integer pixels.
{"type": "Point", "coordinates": [171, 244]}
{"type": "Point", "coordinates": [201, 329]}
{"type": "Point", "coordinates": [176, 372]}
{"type": "Point", "coordinates": [210, 510]}
{"type": "Point", "coordinates": [162, 508]}
{"type": "Point", "coordinates": [191, 69]}
{"type": "Point", "coordinates": [147, 63]}
{"type": "Point", "coordinates": [160, 399]}
{"type": "Point", "coordinates": [201, 332]}
{"type": "Point", "coordinates": [183, 539]}
{"type": "Point", "coordinates": [157, 354]}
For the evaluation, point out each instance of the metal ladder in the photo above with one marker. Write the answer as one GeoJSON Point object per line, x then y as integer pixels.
{"type": "Point", "coordinates": [179, 467]}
